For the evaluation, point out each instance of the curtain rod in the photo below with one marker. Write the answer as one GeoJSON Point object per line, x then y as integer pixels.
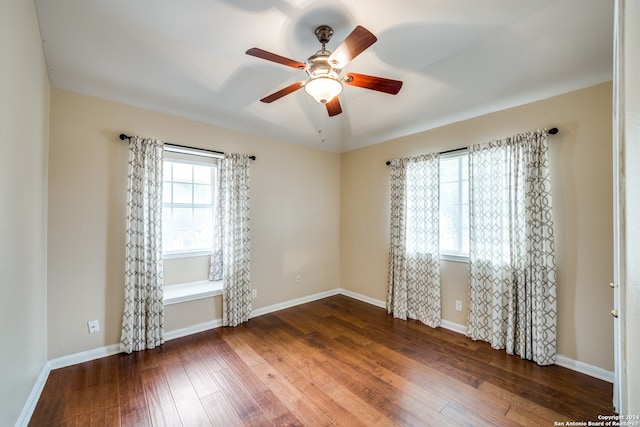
{"type": "Point", "coordinates": [551, 131]}
{"type": "Point", "coordinates": [123, 137]}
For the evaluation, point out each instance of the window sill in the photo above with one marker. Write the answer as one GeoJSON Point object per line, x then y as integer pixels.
{"type": "Point", "coordinates": [191, 254]}
{"type": "Point", "coordinates": [454, 258]}
{"type": "Point", "coordinates": [174, 294]}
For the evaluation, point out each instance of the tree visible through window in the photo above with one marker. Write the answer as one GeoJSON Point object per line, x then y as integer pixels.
{"type": "Point", "coordinates": [188, 203]}
{"type": "Point", "coordinates": [454, 204]}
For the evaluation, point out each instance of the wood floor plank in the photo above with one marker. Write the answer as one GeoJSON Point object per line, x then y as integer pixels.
{"type": "Point", "coordinates": [268, 401]}
{"type": "Point", "coordinates": [428, 377]}
{"type": "Point", "coordinates": [402, 382]}
{"type": "Point", "coordinates": [568, 404]}
{"type": "Point", "coordinates": [51, 406]}
{"type": "Point", "coordinates": [590, 395]}
{"type": "Point", "coordinates": [133, 405]}
{"type": "Point", "coordinates": [184, 394]}
{"type": "Point", "coordinates": [162, 408]}
{"type": "Point", "coordinates": [519, 405]}
{"type": "Point", "coordinates": [464, 417]}
{"type": "Point", "coordinates": [243, 349]}
{"type": "Point", "coordinates": [295, 400]}
{"type": "Point", "coordinates": [354, 385]}
{"type": "Point", "coordinates": [240, 400]}
{"type": "Point", "coordinates": [309, 380]}
{"type": "Point", "coordinates": [220, 412]}
{"type": "Point", "coordinates": [314, 364]}
{"type": "Point", "coordinates": [198, 373]}
{"type": "Point", "coordinates": [362, 379]}
{"type": "Point", "coordinates": [528, 418]}
{"type": "Point", "coordinates": [335, 361]}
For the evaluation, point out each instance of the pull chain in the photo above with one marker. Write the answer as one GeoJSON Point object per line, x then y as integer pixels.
{"type": "Point", "coordinates": [321, 130]}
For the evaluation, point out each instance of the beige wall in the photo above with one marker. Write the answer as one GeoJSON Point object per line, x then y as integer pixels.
{"type": "Point", "coordinates": [581, 170]}
{"type": "Point", "coordinates": [294, 224]}
{"type": "Point", "coordinates": [24, 112]}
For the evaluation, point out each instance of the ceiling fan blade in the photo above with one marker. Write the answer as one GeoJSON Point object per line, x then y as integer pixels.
{"type": "Point", "coordinates": [333, 107]}
{"type": "Point", "coordinates": [355, 43]}
{"type": "Point", "coordinates": [263, 54]}
{"type": "Point", "coordinates": [282, 92]}
{"type": "Point", "coordinates": [374, 83]}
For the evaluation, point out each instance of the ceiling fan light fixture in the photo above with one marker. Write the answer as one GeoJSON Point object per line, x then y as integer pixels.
{"type": "Point", "coordinates": [323, 88]}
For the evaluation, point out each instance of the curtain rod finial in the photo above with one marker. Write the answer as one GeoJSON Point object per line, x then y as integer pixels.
{"type": "Point", "coordinates": [123, 136]}
{"type": "Point", "coordinates": [553, 131]}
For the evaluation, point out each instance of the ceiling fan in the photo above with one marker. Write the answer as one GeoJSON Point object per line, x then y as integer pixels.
{"type": "Point", "coordinates": [324, 83]}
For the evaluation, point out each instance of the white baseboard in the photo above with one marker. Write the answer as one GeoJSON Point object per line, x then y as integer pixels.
{"type": "Point", "coordinates": [84, 356]}
{"type": "Point", "coordinates": [363, 298]}
{"type": "Point", "coordinates": [109, 350]}
{"type": "Point", "coordinates": [201, 327]}
{"type": "Point", "coordinates": [294, 302]}
{"type": "Point", "coordinates": [455, 327]}
{"type": "Point", "coordinates": [585, 368]}
{"type": "Point", "coordinates": [34, 396]}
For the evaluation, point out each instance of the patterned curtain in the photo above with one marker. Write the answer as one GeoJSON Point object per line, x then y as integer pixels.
{"type": "Point", "coordinates": [143, 320]}
{"type": "Point", "coordinates": [511, 252]}
{"type": "Point", "coordinates": [233, 214]}
{"type": "Point", "coordinates": [414, 259]}
{"type": "Point", "coordinates": [215, 261]}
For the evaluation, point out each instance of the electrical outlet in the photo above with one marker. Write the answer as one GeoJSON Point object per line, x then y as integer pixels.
{"type": "Point", "coordinates": [458, 305]}
{"type": "Point", "coordinates": [94, 326]}
{"type": "Point", "coordinates": [298, 278]}
{"type": "Point", "coordinates": [254, 294]}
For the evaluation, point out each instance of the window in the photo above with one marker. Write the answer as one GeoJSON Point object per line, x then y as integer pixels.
{"type": "Point", "coordinates": [454, 206]}
{"type": "Point", "coordinates": [188, 217]}
{"type": "Point", "coordinates": [188, 204]}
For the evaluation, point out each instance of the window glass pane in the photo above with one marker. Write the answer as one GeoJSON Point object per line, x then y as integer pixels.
{"type": "Point", "coordinates": [166, 192]}
{"type": "Point", "coordinates": [166, 171]}
{"type": "Point", "coordinates": [448, 193]}
{"type": "Point", "coordinates": [182, 193]}
{"type": "Point", "coordinates": [202, 174]}
{"type": "Point", "coordinates": [202, 194]}
{"type": "Point", "coordinates": [464, 165]}
{"type": "Point", "coordinates": [203, 214]}
{"type": "Point", "coordinates": [448, 170]}
{"type": "Point", "coordinates": [182, 172]}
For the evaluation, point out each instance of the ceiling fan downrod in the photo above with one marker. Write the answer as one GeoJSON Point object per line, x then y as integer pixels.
{"type": "Point", "coordinates": [324, 33]}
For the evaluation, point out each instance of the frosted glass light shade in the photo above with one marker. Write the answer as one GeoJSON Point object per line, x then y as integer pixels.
{"type": "Point", "coordinates": [323, 89]}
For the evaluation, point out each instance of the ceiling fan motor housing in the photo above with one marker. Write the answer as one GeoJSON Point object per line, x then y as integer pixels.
{"type": "Point", "coordinates": [319, 65]}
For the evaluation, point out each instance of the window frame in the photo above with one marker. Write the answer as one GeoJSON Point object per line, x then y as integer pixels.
{"type": "Point", "coordinates": [457, 154]}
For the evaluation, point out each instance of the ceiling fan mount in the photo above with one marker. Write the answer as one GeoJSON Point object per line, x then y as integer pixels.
{"type": "Point", "coordinates": [324, 34]}
{"type": "Point", "coordinates": [324, 83]}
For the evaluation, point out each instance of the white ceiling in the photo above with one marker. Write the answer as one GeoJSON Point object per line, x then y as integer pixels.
{"type": "Point", "coordinates": [457, 58]}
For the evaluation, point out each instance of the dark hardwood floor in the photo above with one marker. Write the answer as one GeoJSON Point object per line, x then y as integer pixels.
{"type": "Point", "coordinates": [336, 361]}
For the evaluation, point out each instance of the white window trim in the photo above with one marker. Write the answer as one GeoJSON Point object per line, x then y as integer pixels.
{"type": "Point", "coordinates": [185, 254]}
{"type": "Point", "coordinates": [192, 151]}
{"type": "Point", "coordinates": [183, 292]}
